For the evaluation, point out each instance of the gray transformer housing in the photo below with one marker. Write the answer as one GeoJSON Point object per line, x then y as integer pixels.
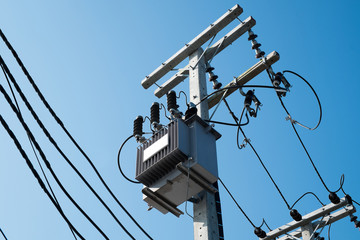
{"type": "Point", "coordinates": [177, 162]}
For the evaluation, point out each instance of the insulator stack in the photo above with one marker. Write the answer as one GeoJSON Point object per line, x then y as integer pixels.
{"type": "Point", "coordinates": [155, 113]}
{"type": "Point", "coordinates": [213, 78]}
{"type": "Point", "coordinates": [255, 45]}
{"type": "Point", "coordinates": [138, 128]}
{"type": "Point", "coordinates": [172, 105]}
{"type": "Point", "coordinates": [171, 101]}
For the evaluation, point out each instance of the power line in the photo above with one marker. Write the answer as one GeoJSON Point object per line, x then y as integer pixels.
{"type": "Point", "coordinates": [36, 175]}
{"type": "Point", "coordinates": [58, 120]}
{"type": "Point", "coordinates": [118, 161]}
{"type": "Point", "coordinates": [232, 197]}
{"type": "Point", "coordinates": [3, 234]}
{"type": "Point", "coordinates": [306, 151]}
{"type": "Point", "coordinates": [261, 162]}
{"type": "Point", "coordinates": [47, 163]}
{"type": "Point", "coordinates": [33, 149]}
{"type": "Point", "coordinates": [56, 146]}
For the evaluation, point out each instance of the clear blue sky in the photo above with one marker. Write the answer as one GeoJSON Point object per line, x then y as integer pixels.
{"type": "Point", "coordinates": [89, 57]}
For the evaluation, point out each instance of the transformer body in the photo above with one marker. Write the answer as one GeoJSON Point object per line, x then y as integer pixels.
{"type": "Point", "coordinates": [176, 163]}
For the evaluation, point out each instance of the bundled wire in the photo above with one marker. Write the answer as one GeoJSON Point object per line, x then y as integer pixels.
{"type": "Point", "coordinates": [37, 176]}
{"type": "Point", "coordinates": [33, 149]}
{"type": "Point", "coordinates": [48, 135]}
{"type": "Point", "coordinates": [58, 120]}
{"type": "Point", "coordinates": [47, 163]}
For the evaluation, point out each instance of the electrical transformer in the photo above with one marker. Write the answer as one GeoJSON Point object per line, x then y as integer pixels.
{"type": "Point", "coordinates": [176, 163]}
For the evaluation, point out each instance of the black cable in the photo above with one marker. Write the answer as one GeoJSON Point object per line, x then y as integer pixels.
{"type": "Point", "coordinates": [53, 142]}
{"type": "Point", "coordinates": [237, 87]}
{"type": "Point", "coordinates": [342, 189]}
{"type": "Point", "coordinates": [47, 163]}
{"type": "Point", "coordinates": [329, 231]}
{"type": "Point", "coordinates": [317, 98]}
{"type": "Point", "coordinates": [304, 196]}
{"type": "Point", "coordinates": [118, 161]}
{"type": "Point", "coordinates": [33, 149]}
{"type": "Point", "coordinates": [3, 234]}
{"type": "Point", "coordinates": [225, 123]}
{"type": "Point", "coordinates": [232, 197]}
{"type": "Point", "coordinates": [263, 165]}
{"type": "Point", "coordinates": [36, 175]}
{"type": "Point", "coordinates": [57, 119]}
{"type": "Point", "coordinates": [306, 151]}
{"type": "Point", "coordinates": [264, 222]}
{"type": "Point", "coordinates": [238, 129]}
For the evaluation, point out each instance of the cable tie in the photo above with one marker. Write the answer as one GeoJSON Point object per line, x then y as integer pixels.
{"type": "Point", "coordinates": [293, 121]}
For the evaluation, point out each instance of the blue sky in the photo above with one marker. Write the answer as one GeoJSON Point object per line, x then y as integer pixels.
{"type": "Point", "coordinates": [89, 57]}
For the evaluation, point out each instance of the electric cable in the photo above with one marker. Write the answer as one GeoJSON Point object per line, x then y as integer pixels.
{"type": "Point", "coordinates": [186, 98]}
{"type": "Point", "coordinates": [118, 161]}
{"type": "Point", "coordinates": [264, 222]}
{"type": "Point", "coordinates": [33, 149]}
{"type": "Point", "coordinates": [47, 163]}
{"type": "Point", "coordinates": [36, 175]}
{"type": "Point", "coordinates": [3, 234]}
{"type": "Point", "coordinates": [261, 162]}
{"type": "Point", "coordinates": [237, 204]}
{"type": "Point", "coordinates": [242, 86]}
{"type": "Point", "coordinates": [342, 189]}
{"type": "Point", "coordinates": [306, 151]}
{"type": "Point", "coordinates": [58, 120]}
{"type": "Point", "coordinates": [329, 231]}
{"type": "Point", "coordinates": [226, 123]}
{"type": "Point", "coordinates": [317, 99]}
{"type": "Point", "coordinates": [307, 193]}
{"type": "Point", "coordinates": [52, 141]}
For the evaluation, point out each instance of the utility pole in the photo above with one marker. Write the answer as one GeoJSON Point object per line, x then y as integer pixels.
{"type": "Point", "coordinates": [207, 208]}
{"type": "Point", "coordinates": [205, 214]}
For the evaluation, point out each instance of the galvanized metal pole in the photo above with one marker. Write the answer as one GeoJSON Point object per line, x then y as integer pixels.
{"type": "Point", "coordinates": [205, 214]}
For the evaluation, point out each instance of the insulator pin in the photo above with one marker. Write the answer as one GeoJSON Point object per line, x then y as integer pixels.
{"type": "Point", "coordinates": [295, 215]}
{"type": "Point", "coordinates": [334, 198]}
{"type": "Point", "coordinates": [259, 232]}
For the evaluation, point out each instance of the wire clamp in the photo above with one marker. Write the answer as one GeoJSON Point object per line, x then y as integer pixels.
{"type": "Point", "coordinates": [293, 121]}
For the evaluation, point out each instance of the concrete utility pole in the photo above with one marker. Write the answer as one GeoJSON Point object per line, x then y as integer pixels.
{"type": "Point", "coordinates": [205, 214]}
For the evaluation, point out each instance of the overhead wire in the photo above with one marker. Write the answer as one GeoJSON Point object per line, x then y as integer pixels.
{"type": "Point", "coordinates": [118, 161]}
{"type": "Point", "coordinates": [261, 162]}
{"type": "Point", "coordinates": [2, 233]}
{"type": "Point", "coordinates": [307, 193]}
{"type": "Point", "coordinates": [47, 163]}
{"type": "Point", "coordinates": [33, 149]}
{"type": "Point", "coordinates": [58, 120]}
{"type": "Point", "coordinates": [36, 175]}
{"type": "Point", "coordinates": [317, 99]}
{"type": "Point", "coordinates": [237, 87]}
{"type": "Point", "coordinates": [237, 204]}
{"type": "Point", "coordinates": [306, 151]}
{"type": "Point", "coordinates": [53, 142]}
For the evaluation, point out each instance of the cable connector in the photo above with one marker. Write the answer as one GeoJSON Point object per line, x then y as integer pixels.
{"type": "Point", "coordinates": [249, 98]}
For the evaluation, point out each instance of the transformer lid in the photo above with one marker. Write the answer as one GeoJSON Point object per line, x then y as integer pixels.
{"type": "Point", "coordinates": [204, 124]}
